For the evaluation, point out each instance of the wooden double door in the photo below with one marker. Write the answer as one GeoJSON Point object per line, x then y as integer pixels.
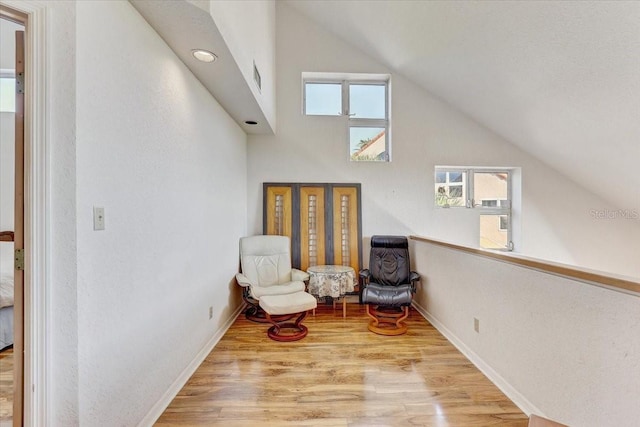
{"type": "Point", "coordinates": [323, 221]}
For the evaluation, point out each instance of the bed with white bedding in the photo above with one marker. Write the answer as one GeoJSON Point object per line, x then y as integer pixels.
{"type": "Point", "coordinates": [6, 310]}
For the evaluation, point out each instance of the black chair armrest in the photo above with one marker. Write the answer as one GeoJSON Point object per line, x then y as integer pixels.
{"type": "Point", "coordinates": [413, 278]}
{"type": "Point", "coordinates": [364, 276]}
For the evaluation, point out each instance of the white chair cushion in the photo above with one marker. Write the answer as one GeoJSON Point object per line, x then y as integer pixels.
{"type": "Point", "coordinates": [282, 289]}
{"type": "Point", "coordinates": [266, 260]}
{"type": "Point", "coordinates": [288, 304]}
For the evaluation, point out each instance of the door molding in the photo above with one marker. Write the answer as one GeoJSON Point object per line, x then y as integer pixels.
{"type": "Point", "coordinates": [37, 217]}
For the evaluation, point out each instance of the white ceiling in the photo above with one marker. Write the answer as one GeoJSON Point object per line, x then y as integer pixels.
{"type": "Point", "coordinates": [559, 79]}
{"type": "Point", "coordinates": [186, 25]}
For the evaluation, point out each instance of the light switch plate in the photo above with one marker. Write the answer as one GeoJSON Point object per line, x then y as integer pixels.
{"type": "Point", "coordinates": [98, 218]}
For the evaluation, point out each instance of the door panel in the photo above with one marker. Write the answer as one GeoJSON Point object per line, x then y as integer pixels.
{"type": "Point", "coordinates": [312, 227]}
{"type": "Point", "coordinates": [278, 211]}
{"type": "Point", "coordinates": [345, 227]}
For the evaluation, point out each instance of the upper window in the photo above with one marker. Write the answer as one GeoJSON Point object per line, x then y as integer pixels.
{"type": "Point", "coordinates": [323, 99]}
{"type": "Point", "coordinates": [363, 100]}
{"type": "Point", "coordinates": [488, 192]}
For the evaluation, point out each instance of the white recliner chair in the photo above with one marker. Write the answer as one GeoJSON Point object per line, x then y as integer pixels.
{"type": "Point", "coordinates": [266, 270]}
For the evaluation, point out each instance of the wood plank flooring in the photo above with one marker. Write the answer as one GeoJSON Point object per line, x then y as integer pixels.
{"type": "Point", "coordinates": [339, 375]}
{"type": "Point", "coordinates": [6, 386]}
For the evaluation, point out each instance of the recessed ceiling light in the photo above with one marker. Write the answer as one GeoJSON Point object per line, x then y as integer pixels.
{"type": "Point", "coordinates": [203, 55]}
{"type": "Point", "coordinates": [251, 122]}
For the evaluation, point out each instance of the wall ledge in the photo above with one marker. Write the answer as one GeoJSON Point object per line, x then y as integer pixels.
{"type": "Point", "coordinates": [611, 281]}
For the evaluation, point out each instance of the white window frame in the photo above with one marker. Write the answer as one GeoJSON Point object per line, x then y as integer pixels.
{"type": "Point", "coordinates": [346, 80]}
{"type": "Point", "coordinates": [504, 206]}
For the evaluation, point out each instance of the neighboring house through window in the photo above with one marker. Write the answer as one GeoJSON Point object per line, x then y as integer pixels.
{"type": "Point", "coordinates": [488, 192]}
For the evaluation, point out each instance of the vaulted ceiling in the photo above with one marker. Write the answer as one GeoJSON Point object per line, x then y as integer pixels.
{"type": "Point", "coordinates": [559, 79]}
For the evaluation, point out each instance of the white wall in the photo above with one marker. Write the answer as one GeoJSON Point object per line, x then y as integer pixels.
{"type": "Point", "coordinates": [556, 222]}
{"type": "Point", "coordinates": [559, 347]}
{"type": "Point", "coordinates": [169, 166]}
{"type": "Point", "coordinates": [249, 30]}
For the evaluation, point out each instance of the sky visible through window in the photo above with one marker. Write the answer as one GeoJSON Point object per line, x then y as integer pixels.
{"type": "Point", "coordinates": [367, 101]}
{"type": "Point", "coordinates": [323, 99]}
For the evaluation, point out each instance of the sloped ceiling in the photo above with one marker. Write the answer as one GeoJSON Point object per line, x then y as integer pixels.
{"type": "Point", "coordinates": [559, 79]}
{"type": "Point", "coordinates": [187, 24]}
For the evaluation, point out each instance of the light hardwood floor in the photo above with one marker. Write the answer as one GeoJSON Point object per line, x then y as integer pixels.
{"type": "Point", "coordinates": [339, 375]}
{"type": "Point", "coordinates": [6, 386]}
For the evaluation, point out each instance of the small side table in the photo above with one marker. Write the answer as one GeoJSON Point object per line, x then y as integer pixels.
{"type": "Point", "coordinates": [332, 281]}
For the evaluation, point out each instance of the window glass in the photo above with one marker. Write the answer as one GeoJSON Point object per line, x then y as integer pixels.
{"type": "Point", "coordinates": [7, 95]}
{"type": "Point", "coordinates": [504, 222]}
{"type": "Point", "coordinates": [490, 187]}
{"type": "Point", "coordinates": [362, 101]}
{"type": "Point", "coordinates": [367, 101]}
{"type": "Point", "coordinates": [455, 191]}
{"type": "Point", "coordinates": [450, 188]}
{"type": "Point", "coordinates": [490, 192]}
{"type": "Point", "coordinates": [492, 234]}
{"type": "Point", "coordinates": [323, 99]}
{"type": "Point", "coordinates": [368, 144]}
{"type": "Point", "coordinates": [455, 176]}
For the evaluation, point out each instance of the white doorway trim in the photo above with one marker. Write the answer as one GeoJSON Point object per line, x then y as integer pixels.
{"type": "Point", "coordinates": [37, 217]}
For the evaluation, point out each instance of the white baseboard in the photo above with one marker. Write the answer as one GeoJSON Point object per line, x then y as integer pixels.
{"type": "Point", "coordinates": [160, 406]}
{"type": "Point", "coordinates": [516, 397]}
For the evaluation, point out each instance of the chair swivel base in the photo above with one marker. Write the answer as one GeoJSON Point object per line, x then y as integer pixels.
{"type": "Point", "coordinates": [287, 331]}
{"type": "Point", "coordinates": [387, 320]}
{"type": "Point", "coordinates": [280, 308]}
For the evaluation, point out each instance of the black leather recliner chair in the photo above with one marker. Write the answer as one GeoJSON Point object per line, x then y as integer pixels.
{"type": "Point", "coordinates": [388, 285]}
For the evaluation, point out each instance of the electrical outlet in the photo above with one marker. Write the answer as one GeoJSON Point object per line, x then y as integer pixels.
{"type": "Point", "coordinates": [476, 324]}
{"type": "Point", "coordinates": [98, 218]}
{"type": "Point", "coordinates": [210, 312]}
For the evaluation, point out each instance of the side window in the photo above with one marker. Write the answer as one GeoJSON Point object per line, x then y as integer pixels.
{"type": "Point", "coordinates": [487, 192]}
{"type": "Point", "coordinates": [365, 105]}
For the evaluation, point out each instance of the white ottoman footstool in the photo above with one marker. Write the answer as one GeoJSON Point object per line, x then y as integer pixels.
{"type": "Point", "coordinates": [279, 308]}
